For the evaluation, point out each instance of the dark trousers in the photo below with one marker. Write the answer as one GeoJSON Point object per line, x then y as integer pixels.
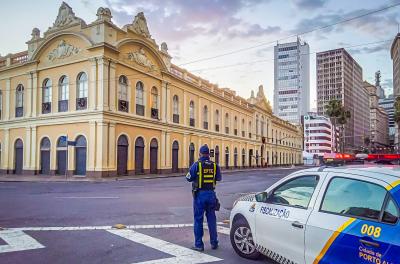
{"type": "Point", "coordinates": [204, 202]}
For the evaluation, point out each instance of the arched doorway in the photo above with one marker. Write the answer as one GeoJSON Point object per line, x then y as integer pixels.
{"type": "Point", "coordinates": [257, 158]}
{"type": "Point", "coordinates": [235, 158]}
{"type": "Point", "coordinates": [262, 155]}
{"type": "Point", "coordinates": [19, 156]}
{"type": "Point", "coordinates": [243, 157]}
{"type": "Point", "coordinates": [122, 155]}
{"type": "Point", "coordinates": [154, 156]}
{"type": "Point", "coordinates": [191, 154]}
{"type": "Point", "coordinates": [45, 156]}
{"type": "Point", "coordinates": [175, 156]}
{"type": "Point", "coordinates": [139, 155]}
{"type": "Point", "coordinates": [250, 157]}
{"type": "Point", "coordinates": [227, 158]}
{"type": "Point", "coordinates": [80, 156]}
{"type": "Point", "coordinates": [217, 154]}
{"type": "Point", "coordinates": [62, 155]}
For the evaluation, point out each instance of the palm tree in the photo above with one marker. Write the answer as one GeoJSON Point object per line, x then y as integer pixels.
{"type": "Point", "coordinates": [338, 115]}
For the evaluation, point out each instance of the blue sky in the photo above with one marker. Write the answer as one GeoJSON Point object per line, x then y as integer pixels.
{"type": "Point", "coordinates": [205, 28]}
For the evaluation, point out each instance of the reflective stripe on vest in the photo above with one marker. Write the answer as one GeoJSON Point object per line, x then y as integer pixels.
{"type": "Point", "coordinates": [205, 179]}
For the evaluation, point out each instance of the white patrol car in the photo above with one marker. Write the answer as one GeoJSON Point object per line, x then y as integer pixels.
{"type": "Point", "coordinates": [323, 215]}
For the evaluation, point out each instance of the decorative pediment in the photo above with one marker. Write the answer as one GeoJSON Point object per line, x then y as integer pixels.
{"type": "Point", "coordinates": [63, 50]}
{"type": "Point", "coordinates": [141, 58]}
{"type": "Point", "coordinates": [66, 17]}
{"type": "Point", "coordinates": [139, 26]}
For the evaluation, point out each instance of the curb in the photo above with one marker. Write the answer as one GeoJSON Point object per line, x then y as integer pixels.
{"type": "Point", "coordinates": [128, 178]}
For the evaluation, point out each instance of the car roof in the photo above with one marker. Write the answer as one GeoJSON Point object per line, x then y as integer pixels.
{"type": "Point", "coordinates": [387, 173]}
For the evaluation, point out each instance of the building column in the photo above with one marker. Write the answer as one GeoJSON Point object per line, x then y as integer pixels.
{"type": "Point", "coordinates": [92, 143]}
{"type": "Point", "coordinates": [27, 149]}
{"type": "Point", "coordinates": [112, 148]}
{"type": "Point", "coordinates": [164, 102]}
{"type": "Point", "coordinates": [92, 85]}
{"type": "Point", "coordinates": [113, 89]}
{"type": "Point", "coordinates": [185, 150]}
{"type": "Point", "coordinates": [185, 109]}
{"type": "Point", "coordinates": [29, 96]}
{"type": "Point", "coordinates": [169, 106]}
{"type": "Point", "coordinates": [7, 104]}
{"type": "Point", "coordinates": [35, 152]}
{"type": "Point", "coordinates": [101, 147]}
{"type": "Point", "coordinates": [5, 150]}
{"type": "Point", "coordinates": [163, 156]}
{"type": "Point", "coordinates": [199, 115]}
{"type": "Point", "coordinates": [102, 84]}
{"type": "Point", "coordinates": [168, 151]}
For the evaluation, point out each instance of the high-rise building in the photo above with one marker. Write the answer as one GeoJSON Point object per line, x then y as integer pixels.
{"type": "Point", "coordinates": [395, 55]}
{"type": "Point", "coordinates": [339, 77]}
{"type": "Point", "coordinates": [379, 124]}
{"type": "Point", "coordinates": [388, 105]}
{"type": "Point", "coordinates": [292, 80]}
{"type": "Point", "coordinates": [319, 136]}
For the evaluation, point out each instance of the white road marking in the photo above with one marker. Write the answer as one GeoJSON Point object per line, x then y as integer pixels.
{"type": "Point", "coordinates": [88, 197]}
{"type": "Point", "coordinates": [17, 241]}
{"type": "Point", "coordinates": [182, 254]}
{"type": "Point", "coordinates": [223, 230]}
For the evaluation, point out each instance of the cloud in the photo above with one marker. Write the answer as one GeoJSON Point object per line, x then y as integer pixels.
{"type": "Point", "coordinates": [309, 4]}
{"type": "Point", "coordinates": [369, 50]}
{"type": "Point", "coordinates": [174, 20]}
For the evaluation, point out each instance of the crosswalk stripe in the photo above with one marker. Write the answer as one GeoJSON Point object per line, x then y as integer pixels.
{"type": "Point", "coordinates": [17, 241]}
{"type": "Point", "coordinates": [181, 254]}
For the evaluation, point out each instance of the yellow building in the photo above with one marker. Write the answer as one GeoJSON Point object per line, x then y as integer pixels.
{"type": "Point", "coordinates": [124, 107]}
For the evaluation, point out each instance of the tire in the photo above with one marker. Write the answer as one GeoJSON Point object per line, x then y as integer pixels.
{"type": "Point", "coordinates": [242, 240]}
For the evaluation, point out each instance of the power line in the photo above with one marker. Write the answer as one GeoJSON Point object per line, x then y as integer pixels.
{"type": "Point", "coordinates": [267, 60]}
{"type": "Point", "coordinates": [293, 35]}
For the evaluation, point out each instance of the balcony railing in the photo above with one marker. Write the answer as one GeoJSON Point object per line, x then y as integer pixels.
{"type": "Point", "coordinates": [63, 106]}
{"type": "Point", "coordinates": [140, 109]}
{"type": "Point", "coordinates": [191, 122]}
{"type": "Point", "coordinates": [46, 108]}
{"type": "Point", "coordinates": [81, 103]}
{"type": "Point", "coordinates": [154, 113]}
{"type": "Point", "coordinates": [175, 118]}
{"type": "Point", "coordinates": [205, 125]}
{"type": "Point", "coordinates": [123, 106]}
{"type": "Point", "coordinates": [19, 111]}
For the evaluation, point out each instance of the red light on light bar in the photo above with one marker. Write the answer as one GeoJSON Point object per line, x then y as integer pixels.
{"type": "Point", "coordinates": [391, 156]}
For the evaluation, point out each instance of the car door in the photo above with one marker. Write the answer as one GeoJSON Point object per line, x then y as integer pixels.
{"type": "Point", "coordinates": [355, 220]}
{"type": "Point", "coordinates": [280, 222]}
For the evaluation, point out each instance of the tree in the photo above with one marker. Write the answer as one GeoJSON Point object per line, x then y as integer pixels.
{"type": "Point", "coordinates": [338, 115]}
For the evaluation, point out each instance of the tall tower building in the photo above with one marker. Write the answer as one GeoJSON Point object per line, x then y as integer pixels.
{"type": "Point", "coordinates": [339, 77]}
{"type": "Point", "coordinates": [292, 80]}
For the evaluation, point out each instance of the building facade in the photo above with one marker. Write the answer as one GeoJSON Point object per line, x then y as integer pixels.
{"type": "Point", "coordinates": [124, 108]}
{"type": "Point", "coordinates": [395, 55]}
{"type": "Point", "coordinates": [388, 105]}
{"type": "Point", "coordinates": [319, 136]}
{"type": "Point", "coordinates": [379, 122]}
{"type": "Point", "coordinates": [339, 77]}
{"type": "Point", "coordinates": [292, 80]}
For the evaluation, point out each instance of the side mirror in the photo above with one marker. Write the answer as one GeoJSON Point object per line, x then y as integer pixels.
{"type": "Point", "coordinates": [262, 197]}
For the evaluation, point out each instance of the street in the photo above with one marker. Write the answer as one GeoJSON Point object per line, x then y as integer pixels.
{"type": "Point", "coordinates": [71, 222]}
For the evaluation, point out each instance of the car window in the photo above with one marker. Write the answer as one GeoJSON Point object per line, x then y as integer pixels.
{"type": "Point", "coordinates": [296, 192]}
{"type": "Point", "coordinates": [390, 214]}
{"type": "Point", "coordinates": [351, 197]}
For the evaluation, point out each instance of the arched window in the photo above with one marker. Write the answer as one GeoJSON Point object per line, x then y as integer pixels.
{"type": "Point", "coordinates": [205, 117]}
{"type": "Point", "coordinates": [122, 155]}
{"type": "Point", "coordinates": [175, 109]}
{"type": "Point", "coordinates": [227, 158]}
{"type": "Point", "coordinates": [250, 128]}
{"type": "Point", "coordinates": [154, 103]}
{"type": "Point", "coordinates": [217, 120]}
{"type": "Point", "coordinates": [191, 154]}
{"type": "Point", "coordinates": [235, 126]}
{"type": "Point", "coordinates": [139, 98]}
{"type": "Point", "coordinates": [175, 156]}
{"type": "Point", "coordinates": [217, 154]}
{"type": "Point", "coordinates": [63, 94]}
{"type": "Point", "coordinates": [243, 128]}
{"type": "Point", "coordinates": [123, 104]}
{"type": "Point", "coordinates": [82, 91]}
{"type": "Point", "coordinates": [154, 156]}
{"type": "Point", "coordinates": [46, 96]}
{"type": "Point", "coordinates": [191, 114]}
{"type": "Point", "coordinates": [19, 101]}
{"type": "Point", "coordinates": [227, 123]}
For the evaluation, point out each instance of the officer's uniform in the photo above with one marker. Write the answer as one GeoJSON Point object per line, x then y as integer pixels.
{"type": "Point", "coordinates": [204, 174]}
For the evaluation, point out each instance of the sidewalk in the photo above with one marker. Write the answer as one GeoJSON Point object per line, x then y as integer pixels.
{"type": "Point", "coordinates": [61, 178]}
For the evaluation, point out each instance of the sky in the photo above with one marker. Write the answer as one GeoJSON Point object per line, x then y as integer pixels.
{"type": "Point", "coordinates": [199, 29]}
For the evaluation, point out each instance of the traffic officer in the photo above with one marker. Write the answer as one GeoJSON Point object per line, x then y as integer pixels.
{"type": "Point", "coordinates": [204, 175]}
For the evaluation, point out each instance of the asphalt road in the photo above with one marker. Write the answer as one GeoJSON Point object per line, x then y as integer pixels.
{"type": "Point", "coordinates": [70, 222]}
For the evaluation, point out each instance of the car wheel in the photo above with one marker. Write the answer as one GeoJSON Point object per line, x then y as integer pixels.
{"type": "Point", "coordinates": [242, 240]}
